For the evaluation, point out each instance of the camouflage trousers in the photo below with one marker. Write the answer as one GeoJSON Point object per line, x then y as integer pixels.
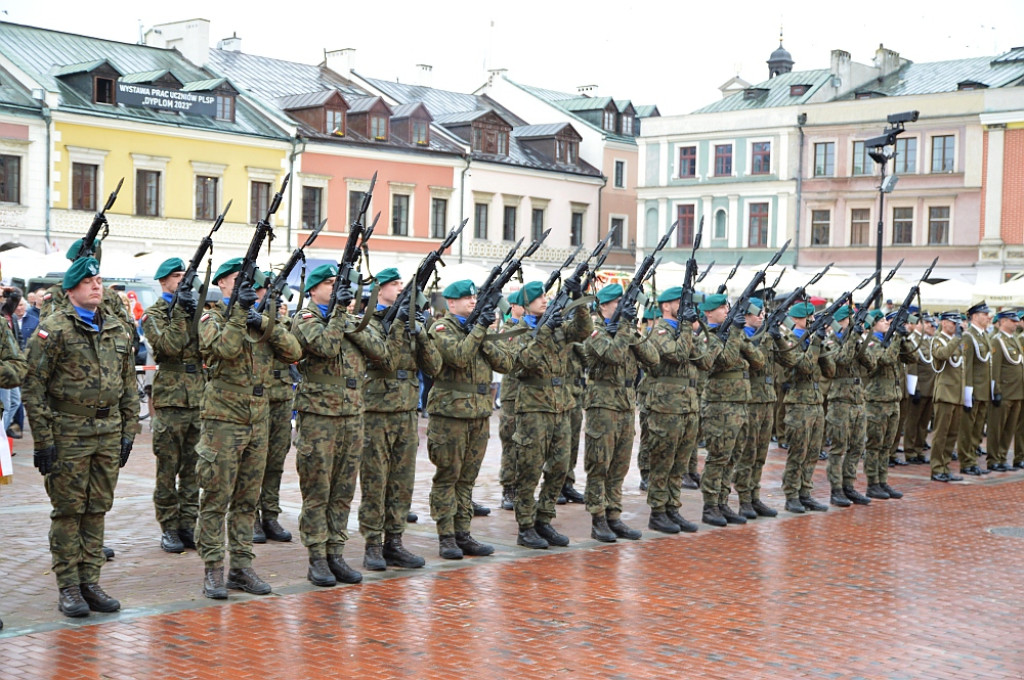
{"type": "Point", "coordinates": [229, 470]}
{"type": "Point", "coordinates": [725, 431]}
{"type": "Point", "coordinates": [746, 478]}
{"type": "Point", "coordinates": [947, 422]}
{"type": "Point", "coordinates": [607, 450]}
{"type": "Point", "coordinates": [387, 473]}
{"type": "Point", "coordinates": [915, 431]}
{"type": "Point", "coordinates": [542, 448]}
{"type": "Point", "coordinates": [506, 429]}
{"type": "Point", "coordinates": [279, 444]}
{"type": "Point", "coordinates": [848, 425]}
{"type": "Point", "coordinates": [456, 447]}
{"type": "Point", "coordinates": [176, 493]}
{"type": "Point", "coordinates": [672, 437]}
{"type": "Point", "coordinates": [883, 417]}
{"type": "Point", "coordinates": [969, 434]}
{"type": "Point", "coordinates": [904, 406]}
{"type": "Point", "coordinates": [805, 427]}
{"type": "Point", "coordinates": [643, 454]}
{"type": "Point", "coordinates": [327, 452]}
{"type": "Point", "coordinates": [575, 430]}
{"type": "Point", "coordinates": [81, 491]}
{"type": "Point", "coordinates": [1002, 424]}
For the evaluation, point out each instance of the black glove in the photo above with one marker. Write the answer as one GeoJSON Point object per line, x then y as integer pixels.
{"type": "Point", "coordinates": [738, 321]}
{"type": "Point", "coordinates": [775, 332]}
{"type": "Point", "coordinates": [403, 312]}
{"type": "Point", "coordinates": [486, 318]}
{"type": "Point", "coordinates": [858, 328]}
{"type": "Point", "coordinates": [959, 331]}
{"type": "Point", "coordinates": [344, 297]}
{"type": "Point", "coordinates": [45, 459]}
{"type": "Point", "coordinates": [188, 300]}
{"type": "Point", "coordinates": [247, 297]}
{"type": "Point", "coordinates": [554, 321]}
{"type": "Point", "coordinates": [612, 328]}
{"type": "Point", "coordinates": [629, 311]}
{"type": "Point", "coordinates": [688, 315]}
{"type": "Point", "coordinates": [12, 298]}
{"type": "Point", "coordinates": [821, 332]}
{"type": "Point", "coordinates": [997, 400]}
{"type": "Point", "coordinates": [916, 399]}
{"type": "Point", "coordinates": [902, 331]}
{"type": "Point", "coordinates": [573, 287]}
{"type": "Point", "coordinates": [126, 450]}
{"type": "Point", "coordinates": [253, 320]}
{"type": "Point", "coordinates": [421, 317]}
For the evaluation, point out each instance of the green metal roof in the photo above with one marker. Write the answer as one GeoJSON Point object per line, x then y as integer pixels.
{"type": "Point", "coordinates": [945, 76]}
{"type": "Point", "coordinates": [81, 67]}
{"type": "Point", "coordinates": [777, 92]}
{"type": "Point", "coordinates": [145, 76]}
{"type": "Point", "coordinates": [203, 85]}
{"type": "Point", "coordinates": [572, 104]}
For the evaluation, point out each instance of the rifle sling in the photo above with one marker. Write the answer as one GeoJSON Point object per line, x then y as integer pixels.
{"type": "Point", "coordinates": [202, 298]}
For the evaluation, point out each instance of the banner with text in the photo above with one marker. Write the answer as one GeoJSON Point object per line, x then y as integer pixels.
{"type": "Point", "coordinates": [166, 99]}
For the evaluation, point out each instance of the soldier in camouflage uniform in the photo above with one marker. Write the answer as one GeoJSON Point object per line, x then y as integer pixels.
{"type": "Point", "coordinates": [329, 403]}
{"type": "Point", "coordinates": [577, 385]}
{"type": "Point", "coordinates": [83, 404]}
{"type": "Point", "coordinates": [177, 388]}
{"type": "Point", "coordinates": [978, 377]}
{"type": "Point", "coordinates": [234, 430]}
{"type": "Point", "coordinates": [643, 454]}
{"type": "Point", "coordinates": [460, 407]}
{"type": "Point", "coordinates": [805, 418]}
{"type": "Point", "coordinates": [13, 368]}
{"type": "Point", "coordinates": [920, 413]}
{"type": "Point", "coordinates": [948, 359]}
{"type": "Point", "coordinates": [846, 419]}
{"type": "Point", "coordinates": [542, 405]}
{"type": "Point", "coordinates": [507, 419]}
{"type": "Point", "coordinates": [615, 354]}
{"type": "Point", "coordinates": [55, 297]}
{"type": "Point", "coordinates": [387, 470]}
{"type": "Point", "coordinates": [896, 455]}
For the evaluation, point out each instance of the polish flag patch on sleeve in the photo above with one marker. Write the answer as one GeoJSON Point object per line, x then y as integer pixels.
{"type": "Point", "coordinates": [307, 315]}
{"type": "Point", "coordinates": [662, 332]}
{"type": "Point", "coordinates": [594, 334]}
{"type": "Point", "coordinates": [205, 317]}
{"type": "Point", "coordinates": [48, 296]}
{"type": "Point", "coordinates": [42, 334]}
{"type": "Point", "coordinates": [439, 327]}
{"type": "Point", "coordinates": [144, 317]}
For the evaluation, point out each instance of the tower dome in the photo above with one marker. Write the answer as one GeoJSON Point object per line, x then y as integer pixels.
{"type": "Point", "coordinates": [781, 60]}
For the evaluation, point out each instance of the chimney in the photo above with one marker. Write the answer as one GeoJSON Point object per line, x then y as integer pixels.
{"type": "Point", "coordinates": [586, 90]}
{"type": "Point", "coordinates": [232, 44]}
{"type": "Point", "coordinates": [424, 75]}
{"type": "Point", "coordinates": [886, 61]}
{"type": "Point", "coordinates": [191, 38]}
{"type": "Point", "coordinates": [840, 69]}
{"type": "Point", "coordinates": [341, 61]}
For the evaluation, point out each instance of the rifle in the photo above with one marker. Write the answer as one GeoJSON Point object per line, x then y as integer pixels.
{"type": "Point", "coordinates": [351, 252]}
{"type": "Point", "coordinates": [557, 274]}
{"type": "Point", "coordinates": [192, 273]}
{"type": "Point", "coordinates": [724, 286]}
{"type": "Point", "coordinates": [862, 311]}
{"type": "Point", "coordinates": [88, 247]}
{"type": "Point", "coordinates": [825, 318]}
{"type": "Point", "coordinates": [561, 299]}
{"type": "Point", "coordinates": [743, 301]}
{"type": "Point", "coordinates": [689, 279]}
{"type": "Point", "coordinates": [247, 275]}
{"type": "Point", "coordinates": [643, 272]}
{"type": "Point", "coordinates": [592, 274]}
{"type": "Point", "coordinates": [779, 313]}
{"type": "Point", "coordinates": [704, 273]}
{"type": "Point", "coordinates": [489, 295]}
{"type": "Point", "coordinates": [904, 311]}
{"type": "Point", "coordinates": [276, 290]}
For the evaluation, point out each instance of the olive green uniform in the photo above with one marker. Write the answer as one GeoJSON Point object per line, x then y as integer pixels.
{"type": "Point", "coordinates": [948, 359]}
{"type": "Point", "coordinates": [846, 414]}
{"type": "Point", "coordinates": [760, 421]}
{"type": "Point", "coordinates": [882, 395]}
{"type": "Point", "coordinates": [724, 415]}
{"type": "Point", "coordinates": [977, 352]}
{"type": "Point", "coordinates": [1008, 378]}
{"type": "Point", "coordinates": [915, 431]}
{"type": "Point", "coordinates": [279, 439]}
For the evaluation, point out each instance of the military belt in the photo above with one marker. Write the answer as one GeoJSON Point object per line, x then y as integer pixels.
{"type": "Point", "coordinates": [255, 390]}
{"type": "Point", "coordinates": [392, 375]}
{"type": "Point", "coordinates": [614, 383]}
{"type": "Point", "coordinates": [685, 382]}
{"type": "Point", "coordinates": [77, 410]}
{"type": "Point", "coordinates": [325, 379]}
{"type": "Point", "coordinates": [277, 372]}
{"type": "Point", "coordinates": [178, 367]}
{"type": "Point", "coordinates": [730, 375]}
{"type": "Point", "coordinates": [846, 381]}
{"type": "Point", "coordinates": [482, 388]}
{"type": "Point", "coordinates": [580, 382]}
{"type": "Point", "coordinates": [542, 382]}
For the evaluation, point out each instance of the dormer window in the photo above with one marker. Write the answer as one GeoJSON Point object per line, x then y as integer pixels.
{"type": "Point", "coordinates": [566, 151]}
{"type": "Point", "coordinates": [502, 143]}
{"type": "Point", "coordinates": [225, 108]}
{"type": "Point", "coordinates": [627, 125]}
{"type": "Point", "coordinates": [103, 90]}
{"type": "Point", "coordinates": [420, 132]}
{"type": "Point", "coordinates": [335, 122]}
{"type": "Point", "coordinates": [379, 127]}
{"type": "Point", "coordinates": [609, 121]}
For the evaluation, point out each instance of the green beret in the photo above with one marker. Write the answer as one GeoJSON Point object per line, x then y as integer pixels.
{"type": "Point", "coordinates": [608, 293]}
{"type": "Point", "coordinates": [80, 269]}
{"type": "Point", "coordinates": [319, 275]}
{"type": "Point", "coordinates": [387, 276]}
{"type": "Point", "coordinates": [77, 246]}
{"type": "Point", "coordinates": [651, 312]}
{"type": "Point", "coordinates": [515, 298]}
{"type": "Point", "coordinates": [459, 289]}
{"type": "Point", "coordinates": [755, 306]}
{"type": "Point", "coordinates": [231, 266]}
{"type": "Point", "coordinates": [874, 315]}
{"type": "Point", "coordinates": [843, 312]}
{"type": "Point", "coordinates": [673, 293]}
{"type": "Point", "coordinates": [168, 267]}
{"type": "Point", "coordinates": [531, 291]}
{"type": "Point", "coordinates": [713, 302]}
{"type": "Point", "coordinates": [801, 310]}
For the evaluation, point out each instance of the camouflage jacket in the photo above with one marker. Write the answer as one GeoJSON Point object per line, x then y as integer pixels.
{"type": "Point", "coordinates": [398, 389]}
{"type": "Point", "coordinates": [13, 364]}
{"type": "Point", "coordinates": [81, 381]}
{"type": "Point", "coordinates": [805, 368]}
{"type": "Point", "coordinates": [509, 382]}
{"type": "Point", "coordinates": [948, 359]}
{"type": "Point", "coordinates": [281, 385]}
{"type": "Point", "coordinates": [882, 383]}
{"type": "Point", "coordinates": [239, 367]}
{"type": "Point", "coordinates": [672, 384]}
{"type": "Point", "coordinates": [762, 378]}
{"type": "Point", "coordinates": [462, 388]}
{"type": "Point", "coordinates": [179, 379]}
{"type": "Point", "coordinates": [614, 362]}
{"type": "Point", "coordinates": [729, 376]}
{"type": "Point", "coordinates": [334, 357]}
{"type": "Point", "coordinates": [853, 361]}
{"type": "Point", "coordinates": [56, 298]}
{"type": "Point", "coordinates": [577, 370]}
{"type": "Point", "coordinates": [542, 366]}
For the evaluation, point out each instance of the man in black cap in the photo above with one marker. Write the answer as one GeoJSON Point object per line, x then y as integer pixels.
{"type": "Point", "coordinates": [978, 378]}
{"type": "Point", "coordinates": [1007, 392]}
{"type": "Point", "coordinates": [948, 360]}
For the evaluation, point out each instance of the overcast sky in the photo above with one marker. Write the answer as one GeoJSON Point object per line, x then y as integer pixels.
{"type": "Point", "coordinates": [673, 54]}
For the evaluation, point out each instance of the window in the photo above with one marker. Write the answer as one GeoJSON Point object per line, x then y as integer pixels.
{"type": "Point", "coordinates": [206, 198]}
{"type": "Point", "coordinates": [906, 155]}
{"type": "Point", "coordinates": [938, 226]}
{"type": "Point", "coordinates": [355, 202]}
{"type": "Point", "coordinates": [902, 226]}
{"type": "Point", "coordinates": [259, 201]}
{"type": "Point", "coordinates": [720, 223]}
{"type": "Point", "coordinates": [379, 127]}
{"type": "Point", "coordinates": [758, 235]}
{"type": "Point", "coordinates": [942, 153]}
{"type": "Point", "coordinates": [627, 125]}
{"type": "Point", "coordinates": [723, 160]}
{"type": "Point", "coordinates": [571, 152]}
{"type": "Point", "coordinates": [576, 229]}
{"type": "Point", "coordinates": [420, 132]}
{"type": "Point", "coordinates": [502, 143]}
{"type": "Point", "coordinates": [147, 193]}
{"type": "Point", "coordinates": [609, 121]}
{"type": "Point", "coordinates": [620, 174]}
{"type": "Point", "coordinates": [824, 159]}
{"type": "Point", "coordinates": [312, 206]}
{"type": "Point", "coordinates": [537, 223]}
{"type": "Point", "coordinates": [10, 179]}
{"type": "Point", "coordinates": [761, 158]}
{"type": "Point", "coordinates": [508, 225]}
{"type": "Point", "coordinates": [860, 227]}
{"type": "Point", "coordinates": [83, 186]}
{"type": "Point", "coordinates": [862, 163]}
{"type": "Point", "coordinates": [225, 108]}
{"type": "Point", "coordinates": [335, 122]}
{"type": "Point", "coordinates": [438, 217]}
{"type": "Point", "coordinates": [684, 231]}
{"type": "Point", "coordinates": [821, 220]}
{"type": "Point", "coordinates": [103, 91]}
{"type": "Point", "coordinates": [565, 151]}
{"type": "Point", "coordinates": [619, 225]}
{"type": "Point", "coordinates": [400, 215]}
{"type": "Point", "coordinates": [687, 161]}
{"type": "Point", "coordinates": [480, 220]}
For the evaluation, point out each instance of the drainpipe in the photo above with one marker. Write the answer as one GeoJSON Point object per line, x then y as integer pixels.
{"type": "Point", "coordinates": [600, 192]}
{"type": "Point", "coordinates": [462, 204]}
{"type": "Point", "coordinates": [801, 120]}
{"type": "Point", "coordinates": [48, 119]}
{"type": "Point", "coordinates": [291, 185]}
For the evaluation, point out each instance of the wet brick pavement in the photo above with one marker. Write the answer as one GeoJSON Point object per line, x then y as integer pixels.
{"type": "Point", "coordinates": [916, 588]}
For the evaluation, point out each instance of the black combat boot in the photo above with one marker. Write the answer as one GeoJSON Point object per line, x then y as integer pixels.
{"type": "Point", "coordinates": [876, 491]}
{"type": "Point", "coordinates": [448, 548]}
{"type": "Point", "coordinates": [811, 504]}
{"type": "Point", "coordinates": [747, 511]}
{"type": "Point", "coordinates": [396, 555]}
{"type": "Point", "coordinates": [893, 493]}
{"type": "Point", "coordinates": [257, 530]}
{"type": "Point", "coordinates": [528, 538]}
{"type": "Point", "coordinates": [97, 599]}
{"type": "Point", "coordinates": [550, 534]}
{"type": "Point", "coordinates": [571, 494]}
{"type": "Point", "coordinates": [644, 481]}
{"type": "Point", "coordinates": [108, 553]}
{"type": "Point", "coordinates": [730, 515]}
{"type": "Point", "coordinates": [620, 529]}
{"type": "Point", "coordinates": [480, 510]}
{"type": "Point", "coordinates": [344, 573]}
{"type": "Point", "coordinates": [472, 547]}
{"type": "Point", "coordinates": [839, 499]}
{"type": "Point", "coordinates": [599, 529]}
{"type": "Point", "coordinates": [856, 496]}
{"type": "Point", "coordinates": [659, 521]}
{"type": "Point", "coordinates": [188, 538]}
{"type": "Point", "coordinates": [684, 524]}
{"type": "Point", "coordinates": [508, 498]}
{"type": "Point", "coordinates": [247, 580]}
{"type": "Point", "coordinates": [794, 505]}
{"type": "Point", "coordinates": [319, 573]}
{"type": "Point", "coordinates": [373, 558]}
{"type": "Point", "coordinates": [213, 584]}
{"type": "Point", "coordinates": [763, 510]}
{"type": "Point", "coordinates": [171, 542]}
{"type": "Point", "coordinates": [688, 483]}
{"type": "Point", "coordinates": [713, 516]}
{"type": "Point", "coordinates": [412, 518]}
{"type": "Point", "coordinates": [70, 602]}
{"type": "Point", "coordinates": [274, 531]}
